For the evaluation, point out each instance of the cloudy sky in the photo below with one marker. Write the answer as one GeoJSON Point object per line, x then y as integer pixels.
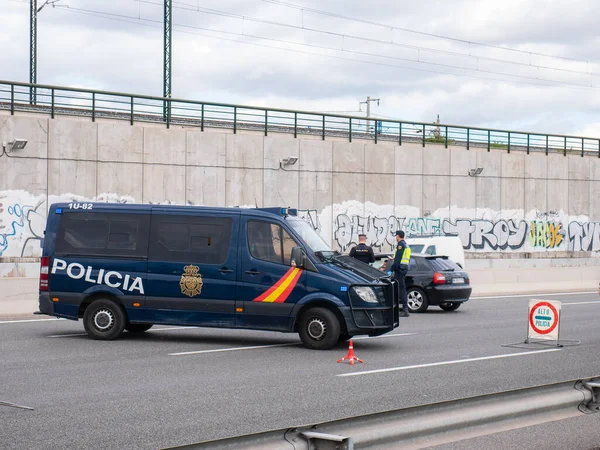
{"type": "Point", "coordinates": [517, 64]}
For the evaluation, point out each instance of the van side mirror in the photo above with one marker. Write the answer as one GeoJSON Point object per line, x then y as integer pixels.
{"type": "Point", "coordinates": [298, 257]}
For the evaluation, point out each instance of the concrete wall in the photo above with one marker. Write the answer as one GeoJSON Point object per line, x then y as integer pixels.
{"type": "Point", "coordinates": [520, 203]}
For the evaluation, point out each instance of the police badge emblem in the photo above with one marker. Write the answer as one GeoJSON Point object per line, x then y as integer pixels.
{"type": "Point", "coordinates": [191, 281]}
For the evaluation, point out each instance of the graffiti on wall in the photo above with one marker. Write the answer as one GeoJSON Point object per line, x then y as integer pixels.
{"type": "Point", "coordinates": [475, 234]}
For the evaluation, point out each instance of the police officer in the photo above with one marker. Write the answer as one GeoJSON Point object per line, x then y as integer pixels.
{"type": "Point", "coordinates": [362, 251]}
{"type": "Point", "coordinates": [399, 269]}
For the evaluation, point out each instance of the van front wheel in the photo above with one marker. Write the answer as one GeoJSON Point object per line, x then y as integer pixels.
{"type": "Point", "coordinates": [104, 319]}
{"type": "Point", "coordinates": [319, 328]}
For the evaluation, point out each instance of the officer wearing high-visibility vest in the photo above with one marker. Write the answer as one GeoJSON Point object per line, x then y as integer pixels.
{"type": "Point", "coordinates": [399, 269]}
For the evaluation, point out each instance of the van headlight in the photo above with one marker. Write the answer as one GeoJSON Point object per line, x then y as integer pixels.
{"type": "Point", "coordinates": [366, 294]}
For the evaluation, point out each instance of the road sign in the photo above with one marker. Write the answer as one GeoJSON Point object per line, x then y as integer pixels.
{"type": "Point", "coordinates": [544, 317]}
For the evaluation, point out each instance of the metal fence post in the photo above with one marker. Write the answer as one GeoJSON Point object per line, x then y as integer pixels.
{"type": "Point", "coordinates": [468, 135]}
{"type": "Point", "coordinates": [446, 137]}
{"type": "Point", "coordinates": [565, 151]}
{"type": "Point", "coordinates": [131, 116]}
{"type": "Point", "coordinates": [400, 133]}
{"type": "Point", "coordinates": [375, 131]}
{"type": "Point", "coordinates": [169, 107]}
{"type": "Point", "coordinates": [12, 99]}
{"type": "Point", "coordinates": [582, 146]}
{"type": "Point", "coordinates": [528, 143]}
{"type": "Point", "coordinates": [509, 142]}
{"type": "Point", "coordinates": [489, 137]}
{"type": "Point", "coordinates": [93, 106]}
{"type": "Point", "coordinates": [234, 119]}
{"type": "Point", "coordinates": [546, 145]}
{"type": "Point", "coordinates": [52, 107]}
{"type": "Point", "coordinates": [295, 124]}
{"type": "Point", "coordinates": [202, 118]}
{"type": "Point", "coordinates": [350, 129]}
{"type": "Point", "coordinates": [423, 135]}
{"type": "Point", "coordinates": [266, 121]}
{"type": "Point", "coordinates": [599, 148]}
{"type": "Point", "coordinates": [323, 136]}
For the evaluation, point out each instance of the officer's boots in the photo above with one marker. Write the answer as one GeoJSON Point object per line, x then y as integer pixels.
{"type": "Point", "coordinates": [404, 312]}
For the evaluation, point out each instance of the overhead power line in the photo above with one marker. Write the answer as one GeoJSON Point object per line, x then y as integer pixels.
{"type": "Point", "coordinates": [423, 33]}
{"type": "Point", "coordinates": [196, 8]}
{"type": "Point", "coordinates": [532, 80]}
{"type": "Point", "coordinates": [156, 24]}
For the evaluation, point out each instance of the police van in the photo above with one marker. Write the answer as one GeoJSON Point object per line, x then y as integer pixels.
{"type": "Point", "coordinates": [126, 267]}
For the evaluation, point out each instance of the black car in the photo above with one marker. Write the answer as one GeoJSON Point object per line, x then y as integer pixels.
{"type": "Point", "coordinates": [432, 280]}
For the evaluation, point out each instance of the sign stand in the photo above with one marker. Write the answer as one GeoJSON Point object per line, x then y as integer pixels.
{"type": "Point", "coordinates": [543, 326]}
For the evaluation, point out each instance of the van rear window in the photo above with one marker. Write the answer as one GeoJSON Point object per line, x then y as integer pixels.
{"type": "Point", "coordinates": [103, 234]}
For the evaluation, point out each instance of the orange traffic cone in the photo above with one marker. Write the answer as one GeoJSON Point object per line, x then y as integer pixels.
{"type": "Point", "coordinates": [350, 357]}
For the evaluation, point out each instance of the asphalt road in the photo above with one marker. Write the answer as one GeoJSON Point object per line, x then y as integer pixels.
{"type": "Point", "coordinates": [174, 386]}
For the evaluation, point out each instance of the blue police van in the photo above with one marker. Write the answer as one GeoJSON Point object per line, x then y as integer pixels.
{"type": "Point", "coordinates": [126, 267]}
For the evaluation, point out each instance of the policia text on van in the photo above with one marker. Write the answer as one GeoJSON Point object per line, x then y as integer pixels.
{"type": "Point", "coordinates": [127, 267]}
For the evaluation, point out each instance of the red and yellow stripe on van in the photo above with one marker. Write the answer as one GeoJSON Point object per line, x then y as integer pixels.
{"type": "Point", "coordinates": [280, 291]}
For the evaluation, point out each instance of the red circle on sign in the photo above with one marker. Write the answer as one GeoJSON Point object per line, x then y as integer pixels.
{"type": "Point", "coordinates": [552, 327]}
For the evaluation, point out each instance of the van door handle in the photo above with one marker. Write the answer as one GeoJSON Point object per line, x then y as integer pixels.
{"type": "Point", "coordinates": [252, 272]}
{"type": "Point", "coordinates": [225, 270]}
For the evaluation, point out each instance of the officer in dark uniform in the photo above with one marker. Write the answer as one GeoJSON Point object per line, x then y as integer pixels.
{"type": "Point", "coordinates": [399, 269]}
{"type": "Point", "coordinates": [362, 251]}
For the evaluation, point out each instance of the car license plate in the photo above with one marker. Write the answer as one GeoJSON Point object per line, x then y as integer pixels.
{"type": "Point", "coordinates": [458, 280]}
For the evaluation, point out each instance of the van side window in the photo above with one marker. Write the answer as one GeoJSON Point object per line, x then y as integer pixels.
{"type": "Point", "coordinates": [431, 250]}
{"type": "Point", "coordinates": [196, 239]}
{"type": "Point", "coordinates": [103, 234]}
{"type": "Point", "coordinates": [270, 242]}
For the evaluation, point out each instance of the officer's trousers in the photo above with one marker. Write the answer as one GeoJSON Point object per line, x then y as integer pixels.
{"type": "Point", "coordinates": [400, 277]}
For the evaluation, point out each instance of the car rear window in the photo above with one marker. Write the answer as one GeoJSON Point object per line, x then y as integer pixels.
{"type": "Point", "coordinates": [443, 264]}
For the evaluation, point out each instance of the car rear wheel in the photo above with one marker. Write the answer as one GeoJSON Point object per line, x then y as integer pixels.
{"type": "Point", "coordinates": [104, 319]}
{"type": "Point", "coordinates": [450, 306]}
{"type": "Point", "coordinates": [138, 327]}
{"type": "Point", "coordinates": [319, 328]}
{"type": "Point", "coordinates": [417, 300]}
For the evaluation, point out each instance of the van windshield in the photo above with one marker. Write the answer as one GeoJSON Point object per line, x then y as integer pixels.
{"type": "Point", "coordinates": [309, 235]}
{"type": "Point", "coordinates": [416, 248]}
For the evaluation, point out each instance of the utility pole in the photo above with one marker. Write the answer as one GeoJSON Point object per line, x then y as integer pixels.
{"type": "Point", "coordinates": [368, 103]}
{"type": "Point", "coordinates": [168, 28]}
{"type": "Point", "coordinates": [32, 50]}
{"type": "Point", "coordinates": [33, 12]}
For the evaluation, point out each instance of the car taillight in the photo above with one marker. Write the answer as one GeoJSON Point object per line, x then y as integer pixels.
{"type": "Point", "coordinates": [44, 273]}
{"type": "Point", "coordinates": [439, 278]}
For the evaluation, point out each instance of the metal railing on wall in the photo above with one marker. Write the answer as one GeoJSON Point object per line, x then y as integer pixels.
{"type": "Point", "coordinates": [58, 100]}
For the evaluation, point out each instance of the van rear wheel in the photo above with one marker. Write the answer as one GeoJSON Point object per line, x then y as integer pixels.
{"type": "Point", "coordinates": [319, 329]}
{"type": "Point", "coordinates": [138, 327]}
{"type": "Point", "coordinates": [104, 320]}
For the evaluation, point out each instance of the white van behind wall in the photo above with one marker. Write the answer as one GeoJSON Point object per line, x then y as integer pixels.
{"type": "Point", "coordinates": [450, 246]}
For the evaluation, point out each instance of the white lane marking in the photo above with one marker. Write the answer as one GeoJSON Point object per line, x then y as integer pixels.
{"type": "Point", "coordinates": [581, 303]}
{"type": "Point", "coordinates": [383, 336]}
{"type": "Point", "coordinates": [67, 335]}
{"type": "Point", "coordinates": [233, 349]}
{"type": "Point", "coordinates": [534, 295]}
{"type": "Point", "coordinates": [28, 320]}
{"type": "Point", "coordinates": [444, 363]}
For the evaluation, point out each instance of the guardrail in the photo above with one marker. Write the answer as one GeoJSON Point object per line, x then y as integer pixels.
{"type": "Point", "coordinates": [422, 426]}
{"type": "Point", "coordinates": [58, 100]}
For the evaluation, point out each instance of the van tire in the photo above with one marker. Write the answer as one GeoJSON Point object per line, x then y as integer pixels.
{"type": "Point", "coordinates": [104, 320]}
{"type": "Point", "coordinates": [319, 328]}
{"type": "Point", "coordinates": [138, 327]}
